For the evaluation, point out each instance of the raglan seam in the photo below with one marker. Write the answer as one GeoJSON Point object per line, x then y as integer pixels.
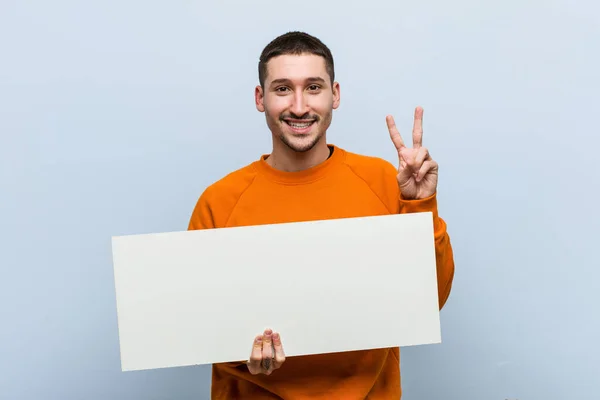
{"type": "Point", "coordinates": [369, 186]}
{"type": "Point", "coordinates": [240, 197]}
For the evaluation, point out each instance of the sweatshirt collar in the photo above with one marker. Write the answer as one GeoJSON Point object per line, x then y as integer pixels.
{"type": "Point", "coordinates": [301, 177]}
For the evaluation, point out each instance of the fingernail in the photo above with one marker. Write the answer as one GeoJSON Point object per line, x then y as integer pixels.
{"type": "Point", "coordinates": [276, 336]}
{"type": "Point", "coordinates": [258, 340]}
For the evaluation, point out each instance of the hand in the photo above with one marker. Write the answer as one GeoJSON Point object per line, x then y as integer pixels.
{"type": "Point", "coordinates": [417, 171]}
{"type": "Point", "coordinates": [267, 353]}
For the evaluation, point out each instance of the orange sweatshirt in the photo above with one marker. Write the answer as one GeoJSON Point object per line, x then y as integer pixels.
{"type": "Point", "coordinates": [346, 185]}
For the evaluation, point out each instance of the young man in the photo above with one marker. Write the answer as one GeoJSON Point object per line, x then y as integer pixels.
{"type": "Point", "coordinates": [305, 178]}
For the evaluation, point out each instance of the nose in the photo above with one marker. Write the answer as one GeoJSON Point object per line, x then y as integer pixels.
{"type": "Point", "coordinates": [300, 105]}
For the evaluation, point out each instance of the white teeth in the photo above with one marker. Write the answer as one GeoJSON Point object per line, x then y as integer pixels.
{"type": "Point", "coordinates": [300, 126]}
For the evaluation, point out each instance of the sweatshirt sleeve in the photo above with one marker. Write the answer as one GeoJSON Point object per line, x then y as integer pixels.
{"type": "Point", "coordinates": [202, 216]}
{"type": "Point", "coordinates": [443, 248]}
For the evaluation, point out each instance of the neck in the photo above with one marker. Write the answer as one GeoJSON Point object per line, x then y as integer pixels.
{"type": "Point", "coordinates": [285, 159]}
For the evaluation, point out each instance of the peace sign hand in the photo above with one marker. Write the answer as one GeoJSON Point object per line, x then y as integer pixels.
{"type": "Point", "coordinates": [417, 171]}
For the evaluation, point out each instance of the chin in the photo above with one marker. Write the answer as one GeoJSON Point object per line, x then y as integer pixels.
{"type": "Point", "coordinates": [300, 144]}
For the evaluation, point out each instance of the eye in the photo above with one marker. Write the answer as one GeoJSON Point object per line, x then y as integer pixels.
{"type": "Point", "coordinates": [314, 87]}
{"type": "Point", "coordinates": [281, 89]}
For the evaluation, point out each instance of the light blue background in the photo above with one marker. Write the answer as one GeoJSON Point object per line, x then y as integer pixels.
{"type": "Point", "coordinates": [115, 115]}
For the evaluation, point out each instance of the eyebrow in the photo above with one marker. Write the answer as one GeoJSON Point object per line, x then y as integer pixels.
{"type": "Point", "coordinates": [311, 79]}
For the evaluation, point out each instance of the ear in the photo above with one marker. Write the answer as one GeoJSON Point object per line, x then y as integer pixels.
{"type": "Point", "coordinates": [336, 95]}
{"type": "Point", "coordinates": [259, 98]}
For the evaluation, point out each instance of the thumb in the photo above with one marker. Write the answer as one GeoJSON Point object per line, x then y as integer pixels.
{"type": "Point", "coordinates": [405, 172]}
{"type": "Point", "coordinates": [405, 176]}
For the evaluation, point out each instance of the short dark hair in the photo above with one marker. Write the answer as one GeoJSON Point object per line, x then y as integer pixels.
{"type": "Point", "coordinates": [295, 43]}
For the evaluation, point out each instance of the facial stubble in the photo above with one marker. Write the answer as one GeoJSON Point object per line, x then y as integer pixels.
{"type": "Point", "coordinates": [303, 147]}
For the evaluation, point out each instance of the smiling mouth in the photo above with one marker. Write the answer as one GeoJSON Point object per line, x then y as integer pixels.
{"type": "Point", "coordinates": [300, 126]}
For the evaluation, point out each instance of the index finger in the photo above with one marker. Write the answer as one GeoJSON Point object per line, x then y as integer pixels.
{"type": "Point", "coordinates": [394, 134]}
{"type": "Point", "coordinates": [256, 355]}
{"type": "Point", "coordinates": [418, 128]}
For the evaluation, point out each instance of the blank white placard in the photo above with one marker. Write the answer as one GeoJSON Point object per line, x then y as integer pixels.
{"type": "Point", "coordinates": [200, 297]}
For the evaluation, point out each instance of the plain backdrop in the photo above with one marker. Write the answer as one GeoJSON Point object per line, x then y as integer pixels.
{"type": "Point", "coordinates": [115, 115]}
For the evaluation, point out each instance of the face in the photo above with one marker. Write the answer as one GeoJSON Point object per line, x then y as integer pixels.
{"type": "Point", "coordinates": [298, 100]}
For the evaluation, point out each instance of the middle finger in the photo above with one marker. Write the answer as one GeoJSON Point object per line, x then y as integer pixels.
{"type": "Point", "coordinates": [267, 350]}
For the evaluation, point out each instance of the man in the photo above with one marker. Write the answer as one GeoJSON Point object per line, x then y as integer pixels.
{"type": "Point", "coordinates": [305, 178]}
